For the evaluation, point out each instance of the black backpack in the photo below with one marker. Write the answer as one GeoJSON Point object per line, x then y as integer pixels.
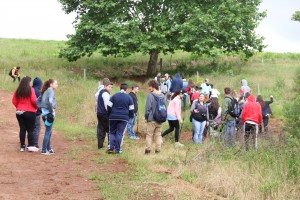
{"type": "Point", "coordinates": [160, 112]}
{"type": "Point", "coordinates": [234, 109]}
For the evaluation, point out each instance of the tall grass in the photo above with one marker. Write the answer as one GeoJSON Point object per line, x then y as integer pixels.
{"type": "Point", "coordinates": [209, 171]}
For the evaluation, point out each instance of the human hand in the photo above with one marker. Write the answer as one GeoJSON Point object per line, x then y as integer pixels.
{"type": "Point", "coordinates": [181, 121]}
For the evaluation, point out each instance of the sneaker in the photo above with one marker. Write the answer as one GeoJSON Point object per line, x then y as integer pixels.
{"type": "Point", "coordinates": [32, 149]}
{"type": "Point", "coordinates": [45, 153]}
{"type": "Point", "coordinates": [178, 144]}
{"type": "Point", "coordinates": [157, 151]}
{"type": "Point", "coordinates": [147, 151]}
{"type": "Point", "coordinates": [134, 137]}
{"type": "Point", "coordinates": [22, 148]}
{"type": "Point", "coordinates": [110, 151]}
{"type": "Point", "coordinates": [51, 151]}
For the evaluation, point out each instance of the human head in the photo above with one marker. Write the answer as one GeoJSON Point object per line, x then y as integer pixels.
{"type": "Point", "coordinates": [158, 74]}
{"type": "Point", "coordinates": [201, 97]}
{"type": "Point", "coordinates": [190, 83]}
{"type": "Point", "coordinates": [206, 80]}
{"type": "Point", "coordinates": [247, 95]}
{"type": "Point", "coordinates": [107, 84]}
{"type": "Point", "coordinates": [178, 93]}
{"type": "Point", "coordinates": [259, 98]}
{"type": "Point", "coordinates": [167, 76]}
{"type": "Point", "coordinates": [153, 85]}
{"type": "Point", "coordinates": [49, 83]}
{"type": "Point", "coordinates": [227, 91]}
{"type": "Point", "coordinates": [24, 88]}
{"type": "Point", "coordinates": [212, 86]}
{"type": "Point", "coordinates": [124, 86]}
{"type": "Point", "coordinates": [18, 68]}
{"type": "Point", "coordinates": [214, 103]}
{"type": "Point", "coordinates": [234, 94]}
{"type": "Point", "coordinates": [135, 88]}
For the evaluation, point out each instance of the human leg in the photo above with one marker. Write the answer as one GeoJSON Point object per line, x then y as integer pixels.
{"type": "Point", "coordinates": [103, 128]}
{"type": "Point", "coordinates": [29, 123]}
{"type": "Point", "coordinates": [22, 132]}
{"type": "Point", "coordinates": [121, 128]}
{"type": "Point", "coordinates": [150, 132]}
{"type": "Point", "coordinates": [157, 136]}
{"type": "Point", "coordinates": [197, 138]}
{"type": "Point", "coordinates": [46, 141]}
{"type": "Point", "coordinates": [170, 129]}
{"type": "Point", "coordinates": [266, 122]}
{"type": "Point", "coordinates": [37, 130]}
{"type": "Point", "coordinates": [113, 128]}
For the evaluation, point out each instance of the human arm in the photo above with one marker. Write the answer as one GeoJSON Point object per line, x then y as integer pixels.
{"type": "Point", "coordinates": [33, 99]}
{"type": "Point", "coordinates": [131, 108]}
{"type": "Point", "coordinates": [106, 97]}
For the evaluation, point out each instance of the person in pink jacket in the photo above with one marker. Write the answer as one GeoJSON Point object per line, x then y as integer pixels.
{"type": "Point", "coordinates": [174, 115]}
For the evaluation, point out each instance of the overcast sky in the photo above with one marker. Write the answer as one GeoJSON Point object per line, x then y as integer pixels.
{"type": "Point", "coordinates": [44, 19]}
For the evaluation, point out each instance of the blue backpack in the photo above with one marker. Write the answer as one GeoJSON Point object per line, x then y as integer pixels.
{"type": "Point", "coordinates": [160, 112]}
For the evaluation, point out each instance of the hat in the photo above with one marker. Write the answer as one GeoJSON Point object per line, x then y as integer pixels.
{"type": "Point", "coordinates": [106, 82]}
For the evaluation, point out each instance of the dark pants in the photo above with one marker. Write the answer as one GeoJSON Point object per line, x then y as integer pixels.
{"type": "Point", "coordinates": [15, 78]}
{"type": "Point", "coordinates": [116, 134]}
{"type": "Point", "coordinates": [250, 129]}
{"type": "Point", "coordinates": [102, 129]}
{"type": "Point", "coordinates": [265, 122]}
{"type": "Point", "coordinates": [172, 124]}
{"type": "Point", "coordinates": [26, 123]}
{"type": "Point", "coordinates": [37, 130]}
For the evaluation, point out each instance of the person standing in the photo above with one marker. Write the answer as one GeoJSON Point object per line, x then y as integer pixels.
{"type": "Point", "coordinates": [153, 127]}
{"type": "Point", "coordinates": [102, 113]}
{"type": "Point", "coordinates": [37, 85]}
{"type": "Point", "coordinates": [184, 85]}
{"type": "Point", "coordinates": [24, 99]}
{"type": "Point", "coordinates": [47, 103]}
{"type": "Point", "coordinates": [189, 90]}
{"type": "Point", "coordinates": [214, 92]}
{"type": "Point", "coordinates": [245, 88]}
{"type": "Point", "coordinates": [157, 78]}
{"type": "Point", "coordinates": [200, 118]}
{"type": "Point", "coordinates": [174, 116]}
{"type": "Point", "coordinates": [15, 73]}
{"type": "Point", "coordinates": [120, 109]}
{"type": "Point", "coordinates": [205, 89]}
{"type": "Point", "coordinates": [266, 111]}
{"type": "Point", "coordinates": [177, 83]}
{"type": "Point", "coordinates": [251, 118]}
{"type": "Point", "coordinates": [228, 134]}
{"type": "Point", "coordinates": [132, 120]}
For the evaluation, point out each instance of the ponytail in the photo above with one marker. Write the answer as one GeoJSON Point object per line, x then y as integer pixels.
{"type": "Point", "coordinates": [46, 85]}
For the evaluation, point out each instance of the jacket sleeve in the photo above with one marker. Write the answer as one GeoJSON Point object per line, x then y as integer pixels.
{"type": "Point", "coordinates": [131, 107]}
{"type": "Point", "coordinates": [148, 106]}
{"type": "Point", "coordinates": [110, 105]}
{"type": "Point", "coordinates": [178, 110]}
{"type": "Point", "coordinates": [259, 114]}
{"type": "Point", "coordinates": [193, 106]}
{"type": "Point", "coordinates": [224, 110]}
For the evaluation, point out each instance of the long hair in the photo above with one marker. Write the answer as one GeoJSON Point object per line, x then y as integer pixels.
{"type": "Point", "coordinates": [260, 100]}
{"type": "Point", "coordinates": [24, 88]}
{"type": "Point", "coordinates": [214, 103]}
{"type": "Point", "coordinates": [46, 85]}
{"type": "Point", "coordinates": [177, 92]}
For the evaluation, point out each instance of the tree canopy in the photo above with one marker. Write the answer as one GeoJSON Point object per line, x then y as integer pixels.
{"type": "Point", "coordinates": [296, 16]}
{"type": "Point", "coordinates": [162, 26]}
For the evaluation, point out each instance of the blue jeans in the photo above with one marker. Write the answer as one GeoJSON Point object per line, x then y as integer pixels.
{"type": "Point", "coordinates": [198, 131]}
{"type": "Point", "coordinates": [47, 138]}
{"type": "Point", "coordinates": [130, 127]}
{"type": "Point", "coordinates": [228, 136]}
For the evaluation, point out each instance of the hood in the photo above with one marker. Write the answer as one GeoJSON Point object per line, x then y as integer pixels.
{"type": "Point", "coordinates": [157, 94]}
{"type": "Point", "coordinates": [244, 82]}
{"type": "Point", "coordinates": [251, 98]}
{"type": "Point", "coordinates": [177, 75]}
{"type": "Point", "coordinates": [100, 87]}
{"type": "Point", "coordinates": [37, 83]}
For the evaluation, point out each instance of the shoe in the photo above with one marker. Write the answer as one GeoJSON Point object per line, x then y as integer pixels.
{"type": "Point", "coordinates": [178, 144]}
{"type": "Point", "coordinates": [51, 151]}
{"type": "Point", "coordinates": [147, 151]}
{"type": "Point", "coordinates": [110, 151]}
{"type": "Point", "coordinates": [157, 151]}
{"type": "Point", "coordinates": [22, 148]}
{"type": "Point", "coordinates": [45, 153]}
{"type": "Point", "coordinates": [134, 137]}
{"type": "Point", "coordinates": [32, 149]}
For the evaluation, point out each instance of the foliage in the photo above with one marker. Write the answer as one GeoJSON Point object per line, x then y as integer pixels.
{"type": "Point", "coordinates": [296, 16]}
{"type": "Point", "coordinates": [152, 27]}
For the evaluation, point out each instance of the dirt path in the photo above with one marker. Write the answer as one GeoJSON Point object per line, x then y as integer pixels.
{"type": "Point", "coordinates": [30, 175]}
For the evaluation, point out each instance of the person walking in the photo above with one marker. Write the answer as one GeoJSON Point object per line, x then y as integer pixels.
{"type": "Point", "coordinates": [15, 73]}
{"type": "Point", "coordinates": [245, 88]}
{"type": "Point", "coordinates": [200, 118]}
{"type": "Point", "coordinates": [102, 113]}
{"type": "Point", "coordinates": [177, 83]}
{"type": "Point", "coordinates": [251, 118]}
{"type": "Point", "coordinates": [174, 116]}
{"type": "Point", "coordinates": [266, 112]}
{"type": "Point", "coordinates": [120, 109]}
{"type": "Point", "coordinates": [132, 120]}
{"type": "Point", "coordinates": [153, 127]}
{"type": "Point", "coordinates": [24, 99]}
{"type": "Point", "coordinates": [37, 86]}
{"type": "Point", "coordinates": [47, 103]}
{"type": "Point", "coordinates": [228, 134]}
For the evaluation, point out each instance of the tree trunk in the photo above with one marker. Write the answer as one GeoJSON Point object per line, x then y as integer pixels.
{"type": "Point", "coordinates": [152, 63]}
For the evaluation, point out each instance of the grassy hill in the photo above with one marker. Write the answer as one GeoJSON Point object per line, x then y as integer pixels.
{"type": "Point", "coordinates": [193, 172]}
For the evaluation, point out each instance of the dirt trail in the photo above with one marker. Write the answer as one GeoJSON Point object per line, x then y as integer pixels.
{"type": "Point", "coordinates": [30, 175]}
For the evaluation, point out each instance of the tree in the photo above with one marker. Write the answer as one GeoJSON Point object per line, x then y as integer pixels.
{"type": "Point", "coordinates": [162, 26]}
{"type": "Point", "coordinates": [296, 16]}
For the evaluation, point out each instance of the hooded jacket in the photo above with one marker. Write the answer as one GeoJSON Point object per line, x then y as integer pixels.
{"type": "Point", "coordinates": [37, 86]}
{"type": "Point", "coordinates": [252, 111]}
{"type": "Point", "coordinates": [151, 105]}
{"type": "Point", "coordinates": [245, 88]}
{"type": "Point", "coordinates": [177, 83]}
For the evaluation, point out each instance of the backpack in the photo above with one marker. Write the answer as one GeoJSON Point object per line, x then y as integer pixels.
{"type": "Point", "coordinates": [234, 109]}
{"type": "Point", "coordinates": [201, 116]}
{"type": "Point", "coordinates": [160, 112]}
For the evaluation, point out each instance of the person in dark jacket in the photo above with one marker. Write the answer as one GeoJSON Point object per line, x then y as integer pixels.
{"type": "Point", "coordinates": [120, 108]}
{"type": "Point", "coordinates": [102, 112]}
{"type": "Point", "coordinates": [132, 120]}
{"type": "Point", "coordinates": [37, 86]}
{"type": "Point", "coordinates": [177, 83]}
{"type": "Point", "coordinates": [266, 111]}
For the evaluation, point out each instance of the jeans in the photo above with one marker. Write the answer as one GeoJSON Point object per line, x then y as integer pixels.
{"type": "Point", "coordinates": [172, 124]}
{"type": "Point", "coordinates": [37, 130]}
{"type": "Point", "coordinates": [26, 124]}
{"type": "Point", "coordinates": [116, 134]}
{"type": "Point", "coordinates": [198, 131]}
{"type": "Point", "coordinates": [102, 129]}
{"type": "Point", "coordinates": [130, 127]}
{"type": "Point", "coordinates": [47, 138]}
{"type": "Point", "coordinates": [228, 136]}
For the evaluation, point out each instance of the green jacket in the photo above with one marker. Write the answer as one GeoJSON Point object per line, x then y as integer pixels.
{"type": "Point", "coordinates": [226, 104]}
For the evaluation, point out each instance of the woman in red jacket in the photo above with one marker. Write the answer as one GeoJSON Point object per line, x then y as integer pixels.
{"type": "Point", "coordinates": [24, 99]}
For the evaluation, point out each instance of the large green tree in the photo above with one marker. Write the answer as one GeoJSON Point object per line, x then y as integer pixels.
{"type": "Point", "coordinates": [123, 27]}
{"type": "Point", "coordinates": [296, 16]}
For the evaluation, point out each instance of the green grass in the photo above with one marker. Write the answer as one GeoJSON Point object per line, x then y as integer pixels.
{"type": "Point", "coordinates": [193, 172]}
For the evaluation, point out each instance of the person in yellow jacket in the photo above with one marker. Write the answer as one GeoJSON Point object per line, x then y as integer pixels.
{"type": "Point", "coordinates": [15, 73]}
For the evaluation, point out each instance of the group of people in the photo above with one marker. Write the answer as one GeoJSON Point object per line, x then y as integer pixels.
{"type": "Point", "coordinates": [34, 100]}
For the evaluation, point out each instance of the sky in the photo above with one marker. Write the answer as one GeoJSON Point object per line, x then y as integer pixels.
{"type": "Point", "coordinates": [45, 20]}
